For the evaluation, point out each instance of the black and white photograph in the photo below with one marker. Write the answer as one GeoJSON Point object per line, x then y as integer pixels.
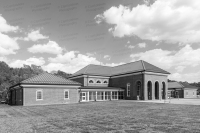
{"type": "Point", "coordinates": [99, 66]}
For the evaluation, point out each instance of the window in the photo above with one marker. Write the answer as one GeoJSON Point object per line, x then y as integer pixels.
{"type": "Point", "coordinates": [98, 82]}
{"type": "Point", "coordinates": [105, 82]}
{"type": "Point", "coordinates": [66, 94]}
{"type": "Point", "coordinates": [186, 93]}
{"type": "Point", "coordinates": [193, 93]}
{"type": "Point", "coordinates": [107, 95]}
{"type": "Point", "coordinates": [39, 95]}
{"type": "Point", "coordinates": [100, 95]}
{"type": "Point", "coordinates": [138, 88]}
{"type": "Point", "coordinates": [91, 81]}
{"type": "Point", "coordinates": [120, 95]}
{"type": "Point", "coordinates": [114, 95]}
{"type": "Point", "coordinates": [128, 90]}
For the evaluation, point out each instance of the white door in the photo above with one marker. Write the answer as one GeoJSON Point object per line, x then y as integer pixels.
{"type": "Point", "coordinates": [83, 96]}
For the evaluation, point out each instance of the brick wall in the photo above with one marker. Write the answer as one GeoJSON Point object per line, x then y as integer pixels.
{"type": "Point", "coordinates": [50, 96]}
{"type": "Point", "coordinates": [122, 82]}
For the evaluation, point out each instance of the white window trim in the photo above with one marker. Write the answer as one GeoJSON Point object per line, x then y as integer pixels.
{"type": "Point", "coordinates": [64, 94]}
{"type": "Point", "coordinates": [128, 94]}
{"type": "Point", "coordinates": [41, 94]}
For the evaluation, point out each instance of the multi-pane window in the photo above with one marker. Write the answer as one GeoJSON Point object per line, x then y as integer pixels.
{"type": "Point", "coordinates": [128, 90]}
{"type": "Point", "coordinates": [39, 95]}
{"type": "Point", "coordinates": [114, 95]}
{"type": "Point", "coordinates": [100, 95]}
{"type": "Point", "coordinates": [138, 88]}
{"type": "Point", "coordinates": [120, 95]}
{"type": "Point", "coordinates": [107, 95]}
{"type": "Point", "coordinates": [92, 95]}
{"type": "Point", "coordinates": [66, 94]}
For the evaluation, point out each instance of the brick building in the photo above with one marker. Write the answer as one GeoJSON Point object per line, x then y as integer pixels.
{"type": "Point", "coordinates": [132, 81]}
{"type": "Point", "coordinates": [181, 90]}
{"type": "Point", "coordinates": [44, 89]}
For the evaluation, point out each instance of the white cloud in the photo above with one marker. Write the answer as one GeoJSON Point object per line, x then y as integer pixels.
{"type": "Point", "coordinates": [34, 36]}
{"type": "Point", "coordinates": [33, 60]}
{"type": "Point", "coordinates": [166, 59]}
{"type": "Point", "coordinates": [5, 27]}
{"type": "Point", "coordinates": [168, 20]}
{"type": "Point", "coordinates": [51, 47]}
{"type": "Point", "coordinates": [113, 64]}
{"type": "Point", "coordinates": [128, 42]}
{"type": "Point", "coordinates": [180, 68]}
{"type": "Point", "coordinates": [142, 45]}
{"type": "Point", "coordinates": [70, 62]}
{"type": "Point", "coordinates": [8, 45]}
{"type": "Point", "coordinates": [130, 46]}
{"type": "Point", "coordinates": [107, 57]}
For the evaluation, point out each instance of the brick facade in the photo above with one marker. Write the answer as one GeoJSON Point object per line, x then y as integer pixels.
{"type": "Point", "coordinates": [123, 81]}
{"type": "Point", "coordinates": [52, 95]}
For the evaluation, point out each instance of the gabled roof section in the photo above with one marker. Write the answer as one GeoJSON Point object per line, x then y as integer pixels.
{"type": "Point", "coordinates": [127, 68]}
{"type": "Point", "coordinates": [137, 66]}
{"type": "Point", "coordinates": [174, 85]}
{"type": "Point", "coordinates": [47, 78]}
{"type": "Point", "coordinates": [151, 68]}
{"type": "Point", "coordinates": [95, 70]}
{"type": "Point", "coordinates": [187, 85]}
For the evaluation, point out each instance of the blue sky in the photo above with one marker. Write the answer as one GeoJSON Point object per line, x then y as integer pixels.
{"type": "Point", "coordinates": [70, 34]}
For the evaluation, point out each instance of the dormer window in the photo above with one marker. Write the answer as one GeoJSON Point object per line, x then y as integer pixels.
{"type": "Point", "coordinates": [98, 82]}
{"type": "Point", "coordinates": [91, 81]}
{"type": "Point", "coordinates": [105, 82]}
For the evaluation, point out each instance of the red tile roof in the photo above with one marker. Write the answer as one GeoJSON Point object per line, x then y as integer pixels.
{"type": "Point", "coordinates": [47, 78]}
{"type": "Point", "coordinates": [121, 69]}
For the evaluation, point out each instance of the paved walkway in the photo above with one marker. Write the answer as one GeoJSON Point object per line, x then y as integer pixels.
{"type": "Point", "coordinates": [176, 101]}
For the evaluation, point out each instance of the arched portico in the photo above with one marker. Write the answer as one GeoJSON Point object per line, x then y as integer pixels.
{"type": "Point", "coordinates": [156, 90]}
{"type": "Point", "coordinates": [149, 90]}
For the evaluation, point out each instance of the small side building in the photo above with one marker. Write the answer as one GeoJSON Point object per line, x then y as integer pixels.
{"type": "Point", "coordinates": [181, 90]}
{"type": "Point", "coordinates": [44, 89]}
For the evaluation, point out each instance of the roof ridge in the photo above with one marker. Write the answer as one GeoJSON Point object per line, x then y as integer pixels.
{"type": "Point", "coordinates": [32, 77]}
{"type": "Point", "coordinates": [143, 65]}
{"type": "Point", "coordinates": [127, 63]}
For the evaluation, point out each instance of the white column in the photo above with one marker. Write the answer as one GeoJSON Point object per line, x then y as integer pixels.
{"type": "Point", "coordinates": [104, 95]}
{"type": "Point", "coordinates": [117, 94]}
{"type": "Point", "coordinates": [96, 95]}
{"type": "Point", "coordinates": [111, 95]}
{"type": "Point", "coordinates": [88, 96]}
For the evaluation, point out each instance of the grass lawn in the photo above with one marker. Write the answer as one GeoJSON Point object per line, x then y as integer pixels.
{"type": "Point", "coordinates": [112, 117]}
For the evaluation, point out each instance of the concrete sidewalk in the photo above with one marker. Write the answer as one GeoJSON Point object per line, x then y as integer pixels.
{"type": "Point", "coordinates": [176, 101]}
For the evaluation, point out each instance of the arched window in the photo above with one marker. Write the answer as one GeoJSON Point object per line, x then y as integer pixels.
{"type": "Point", "coordinates": [98, 82]}
{"type": "Point", "coordinates": [91, 81]}
{"type": "Point", "coordinates": [128, 89]}
{"type": "Point", "coordinates": [105, 82]}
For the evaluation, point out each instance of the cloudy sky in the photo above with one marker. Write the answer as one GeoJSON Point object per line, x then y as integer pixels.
{"type": "Point", "coordinates": [70, 34]}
